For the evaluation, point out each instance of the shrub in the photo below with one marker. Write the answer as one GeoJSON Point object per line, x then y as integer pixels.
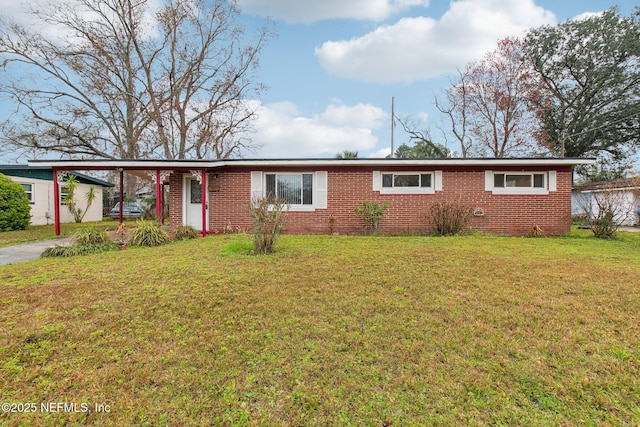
{"type": "Point", "coordinates": [148, 233]}
{"type": "Point", "coordinates": [536, 231]}
{"type": "Point", "coordinates": [183, 232]}
{"type": "Point", "coordinates": [91, 236]}
{"type": "Point", "coordinates": [604, 223]}
{"type": "Point", "coordinates": [372, 213]}
{"type": "Point", "coordinates": [269, 217]}
{"type": "Point", "coordinates": [77, 249]}
{"type": "Point", "coordinates": [580, 220]}
{"type": "Point", "coordinates": [15, 211]}
{"type": "Point", "coordinates": [72, 185]}
{"type": "Point", "coordinates": [606, 211]}
{"type": "Point", "coordinates": [449, 218]}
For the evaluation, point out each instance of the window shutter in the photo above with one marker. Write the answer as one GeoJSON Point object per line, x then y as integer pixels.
{"type": "Point", "coordinates": [377, 181]}
{"type": "Point", "coordinates": [256, 185]}
{"type": "Point", "coordinates": [552, 181]}
{"type": "Point", "coordinates": [320, 199]}
{"type": "Point", "coordinates": [488, 180]}
{"type": "Point", "coordinates": [437, 177]}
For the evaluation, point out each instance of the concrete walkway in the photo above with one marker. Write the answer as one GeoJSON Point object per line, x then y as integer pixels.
{"type": "Point", "coordinates": [630, 229]}
{"type": "Point", "coordinates": [28, 251]}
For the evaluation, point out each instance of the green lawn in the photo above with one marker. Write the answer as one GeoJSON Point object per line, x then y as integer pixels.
{"type": "Point", "coordinates": [44, 232]}
{"type": "Point", "coordinates": [330, 330]}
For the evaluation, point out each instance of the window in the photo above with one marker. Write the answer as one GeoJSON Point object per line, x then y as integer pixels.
{"type": "Point", "coordinates": [407, 182]}
{"type": "Point", "coordinates": [391, 180]}
{"type": "Point", "coordinates": [28, 188]}
{"type": "Point", "coordinates": [64, 194]}
{"type": "Point", "coordinates": [302, 191]}
{"type": "Point", "coordinates": [508, 180]}
{"type": "Point", "coordinates": [520, 182]}
{"type": "Point", "coordinates": [294, 189]}
{"type": "Point", "coordinates": [195, 191]}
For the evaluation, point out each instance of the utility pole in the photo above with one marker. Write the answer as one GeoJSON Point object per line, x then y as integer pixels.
{"type": "Point", "coordinates": [393, 123]}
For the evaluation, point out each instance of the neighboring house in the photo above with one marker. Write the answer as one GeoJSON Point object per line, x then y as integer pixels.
{"type": "Point", "coordinates": [37, 182]}
{"type": "Point", "coordinates": [508, 196]}
{"type": "Point", "coordinates": [622, 194]}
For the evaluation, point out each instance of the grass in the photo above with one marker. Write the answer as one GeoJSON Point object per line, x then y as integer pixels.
{"type": "Point", "coordinates": [329, 330]}
{"type": "Point", "coordinates": [45, 232]}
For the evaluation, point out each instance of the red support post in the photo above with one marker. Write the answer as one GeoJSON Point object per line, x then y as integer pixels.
{"type": "Point", "coordinates": [204, 202]}
{"type": "Point", "coordinates": [158, 196]}
{"type": "Point", "coordinates": [56, 202]}
{"type": "Point", "coordinates": [121, 199]}
{"type": "Point", "coordinates": [162, 203]}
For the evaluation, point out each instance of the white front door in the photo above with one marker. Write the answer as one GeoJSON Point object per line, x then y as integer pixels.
{"type": "Point", "coordinates": [192, 203]}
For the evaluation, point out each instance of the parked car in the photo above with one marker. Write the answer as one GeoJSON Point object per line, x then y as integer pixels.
{"type": "Point", "coordinates": [130, 210]}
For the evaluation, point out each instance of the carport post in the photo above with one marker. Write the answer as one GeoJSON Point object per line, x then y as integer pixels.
{"type": "Point", "coordinates": [120, 198]}
{"type": "Point", "coordinates": [158, 196]}
{"type": "Point", "coordinates": [56, 203]}
{"type": "Point", "coordinates": [204, 202]}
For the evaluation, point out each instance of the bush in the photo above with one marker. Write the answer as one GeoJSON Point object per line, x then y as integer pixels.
{"type": "Point", "coordinates": [372, 213]}
{"type": "Point", "coordinates": [183, 232]}
{"type": "Point", "coordinates": [606, 211]}
{"type": "Point", "coordinates": [604, 224]}
{"type": "Point", "coordinates": [73, 185]}
{"type": "Point", "coordinates": [580, 220]}
{"type": "Point", "coordinates": [78, 249]}
{"type": "Point", "coordinates": [148, 233]}
{"type": "Point", "coordinates": [91, 236]}
{"type": "Point", "coordinates": [449, 218]}
{"type": "Point", "coordinates": [268, 217]}
{"type": "Point", "coordinates": [15, 211]}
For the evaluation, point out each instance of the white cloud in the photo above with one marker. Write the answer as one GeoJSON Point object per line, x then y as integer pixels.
{"type": "Point", "coordinates": [421, 47]}
{"type": "Point", "coordinates": [282, 131]}
{"type": "Point", "coordinates": [380, 154]}
{"type": "Point", "coordinates": [586, 15]}
{"type": "Point", "coordinates": [298, 11]}
{"type": "Point", "coordinates": [34, 16]}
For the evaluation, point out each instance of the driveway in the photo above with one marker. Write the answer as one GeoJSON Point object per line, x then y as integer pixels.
{"type": "Point", "coordinates": [28, 251]}
{"type": "Point", "coordinates": [630, 229]}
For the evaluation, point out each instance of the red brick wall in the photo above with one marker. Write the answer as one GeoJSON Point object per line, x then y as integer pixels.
{"type": "Point", "coordinates": [230, 194]}
{"type": "Point", "coordinates": [175, 199]}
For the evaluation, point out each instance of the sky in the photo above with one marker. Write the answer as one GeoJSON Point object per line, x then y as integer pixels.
{"type": "Point", "coordinates": [335, 65]}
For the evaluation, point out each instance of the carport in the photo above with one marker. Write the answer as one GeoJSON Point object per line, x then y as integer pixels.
{"type": "Point", "coordinates": [158, 171]}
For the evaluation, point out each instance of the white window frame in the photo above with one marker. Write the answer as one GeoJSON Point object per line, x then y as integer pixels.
{"type": "Point", "coordinates": [29, 192]}
{"type": "Point", "coordinates": [319, 188]}
{"type": "Point", "coordinates": [64, 190]}
{"type": "Point", "coordinates": [549, 183]}
{"type": "Point", "coordinates": [436, 182]}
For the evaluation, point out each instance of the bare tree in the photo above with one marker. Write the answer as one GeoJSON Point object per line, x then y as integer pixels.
{"type": "Point", "coordinates": [423, 145]}
{"type": "Point", "coordinates": [125, 80]}
{"type": "Point", "coordinates": [201, 109]}
{"type": "Point", "coordinates": [456, 108]}
{"type": "Point", "coordinates": [76, 94]}
{"type": "Point", "coordinates": [488, 105]}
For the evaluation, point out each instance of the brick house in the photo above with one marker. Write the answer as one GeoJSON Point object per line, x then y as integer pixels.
{"type": "Point", "coordinates": [508, 196]}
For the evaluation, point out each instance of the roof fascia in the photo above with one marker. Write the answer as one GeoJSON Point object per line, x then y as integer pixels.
{"type": "Point", "coordinates": [210, 164]}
